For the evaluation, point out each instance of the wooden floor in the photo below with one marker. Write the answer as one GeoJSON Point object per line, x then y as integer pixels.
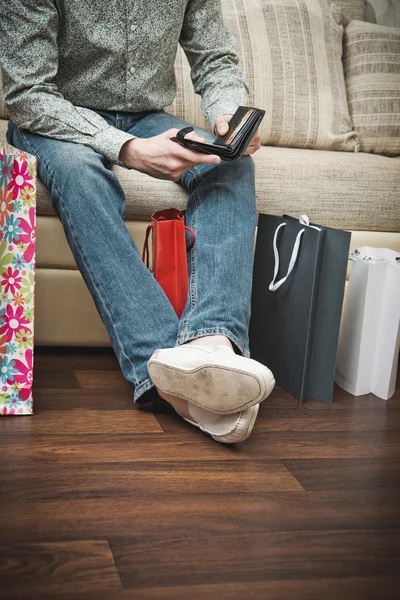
{"type": "Point", "coordinates": [101, 500]}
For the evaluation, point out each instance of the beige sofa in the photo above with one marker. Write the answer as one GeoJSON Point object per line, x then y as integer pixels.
{"type": "Point", "coordinates": [354, 191]}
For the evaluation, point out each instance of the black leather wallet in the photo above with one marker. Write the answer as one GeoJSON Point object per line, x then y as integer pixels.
{"type": "Point", "coordinates": [232, 145]}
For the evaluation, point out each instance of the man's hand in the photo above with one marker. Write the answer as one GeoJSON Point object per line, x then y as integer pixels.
{"type": "Point", "coordinates": [222, 127]}
{"type": "Point", "coordinates": [159, 157]}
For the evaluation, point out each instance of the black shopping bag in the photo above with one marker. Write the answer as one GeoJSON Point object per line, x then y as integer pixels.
{"type": "Point", "coordinates": [298, 287]}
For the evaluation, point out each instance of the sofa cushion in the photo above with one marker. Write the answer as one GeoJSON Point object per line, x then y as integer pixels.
{"type": "Point", "coordinates": [372, 69]}
{"type": "Point", "coordinates": [53, 251]}
{"type": "Point", "coordinates": [290, 53]}
{"type": "Point", "coordinates": [356, 191]}
{"type": "Point", "coordinates": [334, 188]}
{"type": "Point", "coordinates": [337, 189]}
{"type": "Point", "coordinates": [349, 10]}
{"type": "Point", "coordinates": [65, 314]}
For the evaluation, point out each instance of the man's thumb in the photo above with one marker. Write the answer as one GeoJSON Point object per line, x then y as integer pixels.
{"type": "Point", "coordinates": [223, 128]}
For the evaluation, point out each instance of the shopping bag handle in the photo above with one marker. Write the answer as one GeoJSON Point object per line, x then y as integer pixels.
{"type": "Point", "coordinates": [193, 236]}
{"type": "Point", "coordinates": [145, 253]}
{"type": "Point", "coordinates": [274, 285]}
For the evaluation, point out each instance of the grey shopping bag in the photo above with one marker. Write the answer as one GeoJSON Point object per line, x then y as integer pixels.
{"type": "Point", "coordinates": [298, 287]}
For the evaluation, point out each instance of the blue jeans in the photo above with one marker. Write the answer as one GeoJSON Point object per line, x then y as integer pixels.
{"type": "Point", "coordinates": [90, 203]}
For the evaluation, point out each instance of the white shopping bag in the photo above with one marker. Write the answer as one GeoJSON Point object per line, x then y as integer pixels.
{"type": "Point", "coordinates": [369, 337]}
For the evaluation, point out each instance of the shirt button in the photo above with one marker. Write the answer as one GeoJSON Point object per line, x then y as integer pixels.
{"type": "Point", "coordinates": [132, 69]}
{"type": "Point", "coordinates": [133, 27]}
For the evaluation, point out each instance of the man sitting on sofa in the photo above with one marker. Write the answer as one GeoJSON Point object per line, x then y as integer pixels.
{"type": "Point", "coordinates": [86, 84]}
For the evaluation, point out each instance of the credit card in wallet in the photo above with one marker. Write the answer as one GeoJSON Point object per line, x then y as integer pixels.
{"type": "Point", "coordinates": [232, 145]}
{"type": "Point", "coordinates": [237, 127]}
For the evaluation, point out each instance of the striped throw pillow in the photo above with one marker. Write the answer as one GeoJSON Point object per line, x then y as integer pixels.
{"type": "Point", "coordinates": [349, 10]}
{"type": "Point", "coordinates": [372, 69]}
{"type": "Point", "coordinates": [290, 53]}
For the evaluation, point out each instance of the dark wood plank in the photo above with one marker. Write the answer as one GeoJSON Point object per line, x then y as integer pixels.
{"type": "Point", "coordinates": [83, 422]}
{"type": "Point", "coordinates": [307, 508]}
{"type": "Point", "coordinates": [55, 379]}
{"type": "Point", "coordinates": [191, 515]}
{"type": "Point", "coordinates": [132, 479]}
{"type": "Point", "coordinates": [102, 380]}
{"type": "Point", "coordinates": [244, 558]}
{"type": "Point", "coordinates": [327, 420]}
{"type": "Point", "coordinates": [57, 567]}
{"type": "Point", "coordinates": [352, 588]}
{"type": "Point", "coordinates": [75, 358]}
{"type": "Point", "coordinates": [346, 474]}
{"type": "Point", "coordinates": [368, 588]}
{"type": "Point", "coordinates": [69, 400]}
{"type": "Point", "coordinates": [76, 449]}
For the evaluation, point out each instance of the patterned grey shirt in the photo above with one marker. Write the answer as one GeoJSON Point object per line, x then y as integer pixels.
{"type": "Point", "coordinates": [61, 58]}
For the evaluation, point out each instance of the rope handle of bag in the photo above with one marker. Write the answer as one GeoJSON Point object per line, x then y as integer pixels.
{"type": "Point", "coordinates": [274, 285]}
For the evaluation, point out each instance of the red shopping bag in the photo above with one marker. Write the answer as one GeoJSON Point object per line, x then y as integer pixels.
{"type": "Point", "coordinates": [169, 254]}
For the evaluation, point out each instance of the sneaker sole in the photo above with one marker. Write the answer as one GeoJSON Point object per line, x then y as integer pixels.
{"type": "Point", "coordinates": [219, 389]}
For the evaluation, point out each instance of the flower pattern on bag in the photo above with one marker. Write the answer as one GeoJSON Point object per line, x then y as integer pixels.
{"type": "Point", "coordinates": [11, 281]}
{"type": "Point", "coordinates": [11, 321]}
{"type": "Point", "coordinates": [6, 167]}
{"type": "Point", "coordinates": [28, 287]}
{"type": "Point", "coordinates": [17, 278]}
{"type": "Point", "coordinates": [20, 178]}
{"type": "Point", "coordinates": [6, 205]}
{"type": "Point", "coordinates": [28, 196]}
{"type": "Point", "coordinates": [29, 235]}
{"type": "Point", "coordinates": [12, 230]}
{"type": "Point", "coordinates": [7, 370]}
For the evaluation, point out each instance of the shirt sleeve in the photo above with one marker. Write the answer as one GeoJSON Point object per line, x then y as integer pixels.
{"type": "Point", "coordinates": [210, 49]}
{"type": "Point", "coordinates": [29, 61]}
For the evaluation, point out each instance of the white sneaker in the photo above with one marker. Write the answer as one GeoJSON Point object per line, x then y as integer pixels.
{"type": "Point", "coordinates": [211, 377]}
{"type": "Point", "coordinates": [226, 429]}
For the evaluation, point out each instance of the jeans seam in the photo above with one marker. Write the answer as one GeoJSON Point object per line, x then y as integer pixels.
{"type": "Point", "coordinates": [202, 178]}
{"type": "Point", "coordinates": [195, 174]}
{"type": "Point", "coordinates": [147, 384]}
{"type": "Point", "coordinates": [83, 256]}
{"type": "Point", "coordinates": [192, 281]}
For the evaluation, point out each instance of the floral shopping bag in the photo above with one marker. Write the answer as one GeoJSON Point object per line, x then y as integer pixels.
{"type": "Point", "coordinates": [17, 277]}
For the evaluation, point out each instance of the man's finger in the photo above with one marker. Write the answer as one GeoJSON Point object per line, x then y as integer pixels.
{"type": "Point", "coordinates": [196, 158]}
{"type": "Point", "coordinates": [193, 136]}
{"type": "Point", "coordinates": [212, 159]}
{"type": "Point", "coordinates": [222, 124]}
{"type": "Point", "coordinates": [199, 158]}
{"type": "Point", "coordinates": [170, 133]}
{"type": "Point", "coordinates": [222, 128]}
